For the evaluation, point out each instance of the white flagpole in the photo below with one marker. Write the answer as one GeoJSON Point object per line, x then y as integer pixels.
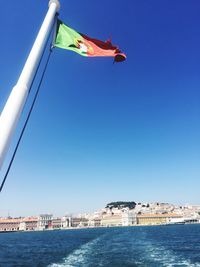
{"type": "Point", "coordinates": [15, 103]}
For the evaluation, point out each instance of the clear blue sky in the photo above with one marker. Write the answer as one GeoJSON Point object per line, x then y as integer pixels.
{"type": "Point", "coordinates": [102, 132]}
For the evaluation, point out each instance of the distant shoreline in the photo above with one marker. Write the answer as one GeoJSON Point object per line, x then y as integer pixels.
{"type": "Point", "coordinates": [98, 227]}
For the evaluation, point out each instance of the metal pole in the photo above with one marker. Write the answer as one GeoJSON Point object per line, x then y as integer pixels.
{"type": "Point", "coordinates": [15, 103]}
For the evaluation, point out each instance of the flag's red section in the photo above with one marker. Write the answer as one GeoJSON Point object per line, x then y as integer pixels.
{"type": "Point", "coordinates": [96, 47]}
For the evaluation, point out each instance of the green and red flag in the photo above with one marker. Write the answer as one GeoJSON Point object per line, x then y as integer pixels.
{"type": "Point", "coordinates": [68, 38]}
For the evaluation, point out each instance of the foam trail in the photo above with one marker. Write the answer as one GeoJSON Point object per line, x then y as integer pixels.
{"type": "Point", "coordinates": [165, 257]}
{"type": "Point", "coordinates": [78, 257]}
{"type": "Point", "coordinates": [123, 249]}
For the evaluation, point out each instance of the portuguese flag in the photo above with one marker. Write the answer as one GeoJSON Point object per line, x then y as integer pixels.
{"type": "Point", "coordinates": [68, 38]}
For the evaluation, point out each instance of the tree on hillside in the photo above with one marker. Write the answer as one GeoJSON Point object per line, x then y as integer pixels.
{"type": "Point", "coordinates": [121, 204]}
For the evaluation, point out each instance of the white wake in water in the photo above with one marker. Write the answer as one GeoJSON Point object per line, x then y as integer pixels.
{"type": "Point", "coordinates": [122, 249]}
{"type": "Point", "coordinates": [78, 257]}
{"type": "Point", "coordinates": [166, 258]}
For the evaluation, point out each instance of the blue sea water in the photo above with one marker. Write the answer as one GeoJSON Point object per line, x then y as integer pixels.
{"type": "Point", "coordinates": [110, 247]}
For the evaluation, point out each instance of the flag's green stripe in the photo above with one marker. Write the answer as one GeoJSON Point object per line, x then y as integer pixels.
{"type": "Point", "coordinates": [67, 37]}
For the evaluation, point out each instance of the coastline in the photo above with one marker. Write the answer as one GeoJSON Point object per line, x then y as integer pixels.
{"type": "Point", "coordinates": [99, 227]}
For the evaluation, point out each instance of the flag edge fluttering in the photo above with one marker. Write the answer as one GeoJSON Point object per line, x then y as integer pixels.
{"type": "Point", "coordinates": [69, 39]}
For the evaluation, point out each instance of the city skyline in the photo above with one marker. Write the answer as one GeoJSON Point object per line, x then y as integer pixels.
{"type": "Point", "coordinates": [102, 132]}
{"type": "Point", "coordinates": [113, 215]}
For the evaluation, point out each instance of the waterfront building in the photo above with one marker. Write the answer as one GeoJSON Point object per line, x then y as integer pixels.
{"type": "Point", "coordinates": [29, 223]}
{"type": "Point", "coordinates": [44, 221]}
{"type": "Point", "coordinates": [111, 220]}
{"type": "Point", "coordinates": [56, 223]}
{"type": "Point", "coordinates": [9, 224]}
{"type": "Point", "coordinates": [156, 219]}
{"type": "Point", "coordinates": [79, 222]}
{"type": "Point", "coordinates": [66, 221]}
{"type": "Point", "coordinates": [129, 218]}
{"type": "Point", "coordinates": [94, 222]}
{"type": "Point", "coordinates": [18, 224]}
{"type": "Point", "coordinates": [22, 226]}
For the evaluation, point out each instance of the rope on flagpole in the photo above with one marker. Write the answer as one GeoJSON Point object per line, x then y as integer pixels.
{"type": "Point", "coordinates": [32, 106]}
